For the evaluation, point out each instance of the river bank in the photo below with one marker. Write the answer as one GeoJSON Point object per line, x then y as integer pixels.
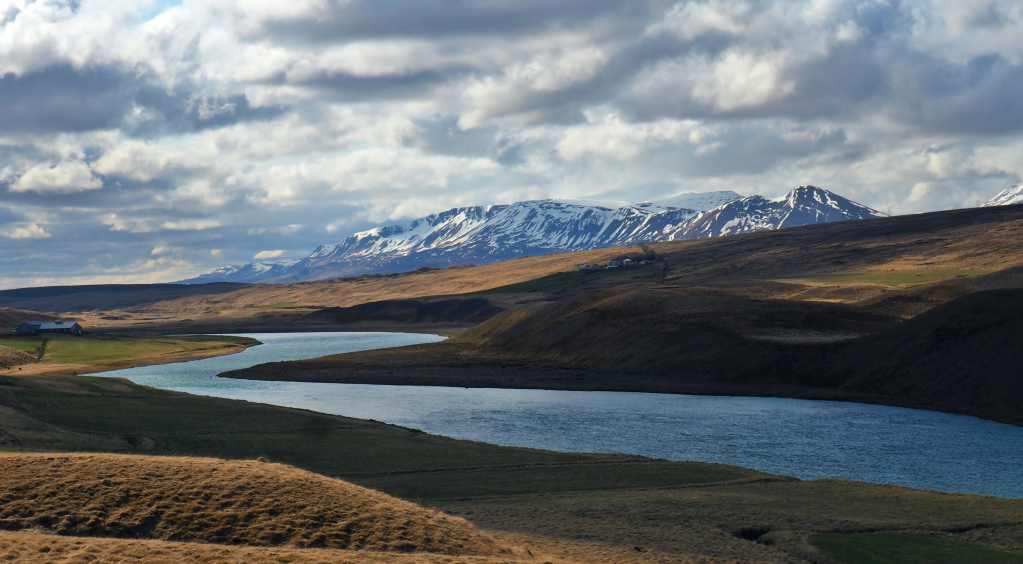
{"type": "Point", "coordinates": [595, 508]}
{"type": "Point", "coordinates": [67, 355]}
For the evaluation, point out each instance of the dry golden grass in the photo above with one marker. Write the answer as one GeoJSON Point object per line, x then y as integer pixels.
{"type": "Point", "coordinates": [46, 548]}
{"type": "Point", "coordinates": [66, 354]}
{"type": "Point", "coordinates": [266, 301]}
{"type": "Point", "coordinates": [217, 501]}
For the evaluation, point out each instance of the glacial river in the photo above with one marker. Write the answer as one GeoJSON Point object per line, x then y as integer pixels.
{"type": "Point", "coordinates": [806, 439]}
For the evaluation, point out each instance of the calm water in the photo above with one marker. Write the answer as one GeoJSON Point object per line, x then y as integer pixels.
{"type": "Point", "coordinates": [806, 439]}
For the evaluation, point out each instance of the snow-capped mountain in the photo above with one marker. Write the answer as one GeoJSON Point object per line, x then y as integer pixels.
{"type": "Point", "coordinates": [251, 272]}
{"type": "Point", "coordinates": [1008, 197]}
{"type": "Point", "coordinates": [699, 201]}
{"type": "Point", "coordinates": [805, 205]}
{"type": "Point", "coordinates": [483, 234]}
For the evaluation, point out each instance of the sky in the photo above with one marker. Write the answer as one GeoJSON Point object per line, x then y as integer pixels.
{"type": "Point", "coordinates": [145, 141]}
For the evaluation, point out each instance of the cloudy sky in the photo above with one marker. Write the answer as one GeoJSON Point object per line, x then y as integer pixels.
{"type": "Point", "coordinates": [151, 140]}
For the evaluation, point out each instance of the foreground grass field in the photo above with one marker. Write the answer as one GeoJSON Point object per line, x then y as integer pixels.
{"type": "Point", "coordinates": [216, 501]}
{"type": "Point", "coordinates": [92, 353]}
{"type": "Point", "coordinates": [49, 549]}
{"type": "Point", "coordinates": [907, 549]}
{"type": "Point", "coordinates": [568, 507]}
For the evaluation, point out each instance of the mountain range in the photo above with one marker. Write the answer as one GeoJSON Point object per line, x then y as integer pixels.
{"type": "Point", "coordinates": [483, 234]}
{"type": "Point", "coordinates": [1010, 196]}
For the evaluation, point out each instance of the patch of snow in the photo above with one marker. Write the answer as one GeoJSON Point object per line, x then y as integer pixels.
{"type": "Point", "coordinates": [1010, 196]}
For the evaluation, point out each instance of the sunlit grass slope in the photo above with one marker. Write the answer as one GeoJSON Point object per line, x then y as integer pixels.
{"type": "Point", "coordinates": [91, 353]}
{"type": "Point", "coordinates": [218, 501]}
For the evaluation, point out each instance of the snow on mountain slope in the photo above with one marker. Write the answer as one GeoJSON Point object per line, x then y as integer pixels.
{"type": "Point", "coordinates": [252, 272]}
{"type": "Point", "coordinates": [1010, 196]}
{"type": "Point", "coordinates": [805, 205]}
{"type": "Point", "coordinates": [700, 201]}
{"type": "Point", "coordinates": [483, 234]}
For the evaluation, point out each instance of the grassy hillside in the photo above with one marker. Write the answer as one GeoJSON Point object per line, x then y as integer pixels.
{"type": "Point", "coordinates": [11, 318]}
{"type": "Point", "coordinates": [228, 502]}
{"type": "Point", "coordinates": [559, 507]}
{"type": "Point", "coordinates": [46, 549]}
{"type": "Point", "coordinates": [104, 296]}
{"type": "Point", "coordinates": [92, 353]}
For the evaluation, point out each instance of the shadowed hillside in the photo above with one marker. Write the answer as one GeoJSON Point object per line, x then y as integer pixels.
{"type": "Point", "coordinates": [105, 296]}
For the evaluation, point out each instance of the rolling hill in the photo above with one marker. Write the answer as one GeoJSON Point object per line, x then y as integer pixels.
{"type": "Point", "coordinates": [216, 501]}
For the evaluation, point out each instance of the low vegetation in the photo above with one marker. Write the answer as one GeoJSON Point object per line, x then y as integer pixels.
{"type": "Point", "coordinates": [92, 353]}
{"type": "Point", "coordinates": [891, 548]}
{"type": "Point", "coordinates": [207, 500]}
{"type": "Point", "coordinates": [47, 549]}
{"type": "Point", "coordinates": [566, 507]}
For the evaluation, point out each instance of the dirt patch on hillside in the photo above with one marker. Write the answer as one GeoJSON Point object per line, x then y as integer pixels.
{"type": "Point", "coordinates": [10, 358]}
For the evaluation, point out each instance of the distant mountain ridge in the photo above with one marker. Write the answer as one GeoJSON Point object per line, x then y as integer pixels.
{"type": "Point", "coordinates": [483, 234]}
{"type": "Point", "coordinates": [1010, 196]}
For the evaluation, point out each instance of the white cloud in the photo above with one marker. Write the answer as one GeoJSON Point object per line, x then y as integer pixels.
{"type": "Point", "coordinates": [135, 160]}
{"type": "Point", "coordinates": [63, 177]}
{"type": "Point", "coordinates": [511, 92]}
{"type": "Point", "coordinates": [117, 222]}
{"type": "Point", "coordinates": [740, 80]}
{"type": "Point", "coordinates": [25, 231]}
{"type": "Point", "coordinates": [263, 117]}
{"type": "Point", "coordinates": [162, 250]}
{"type": "Point", "coordinates": [690, 20]}
{"type": "Point", "coordinates": [268, 255]}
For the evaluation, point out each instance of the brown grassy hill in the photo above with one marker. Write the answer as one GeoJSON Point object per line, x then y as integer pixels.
{"type": "Point", "coordinates": [48, 549]}
{"type": "Point", "coordinates": [11, 318]}
{"type": "Point", "coordinates": [437, 311]}
{"type": "Point", "coordinates": [104, 296]}
{"type": "Point", "coordinates": [217, 501]}
{"type": "Point", "coordinates": [285, 305]}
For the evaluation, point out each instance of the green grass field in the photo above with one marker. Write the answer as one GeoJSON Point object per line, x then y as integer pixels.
{"type": "Point", "coordinates": [24, 344]}
{"type": "Point", "coordinates": [890, 548]}
{"type": "Point", "coordinates": [105, 351]}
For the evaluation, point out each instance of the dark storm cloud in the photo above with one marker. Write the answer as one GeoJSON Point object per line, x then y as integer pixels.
{"type": "Point", "coordinates": [983, 96]}
{"type": "Point", "coordinates": [348, 87]}
{"type": "Point", "coordinates": [61, 98]}
{"type": "Point", "coordinates": [64, 99]}
{"type": "Point", "coordinates": [345, 20]}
